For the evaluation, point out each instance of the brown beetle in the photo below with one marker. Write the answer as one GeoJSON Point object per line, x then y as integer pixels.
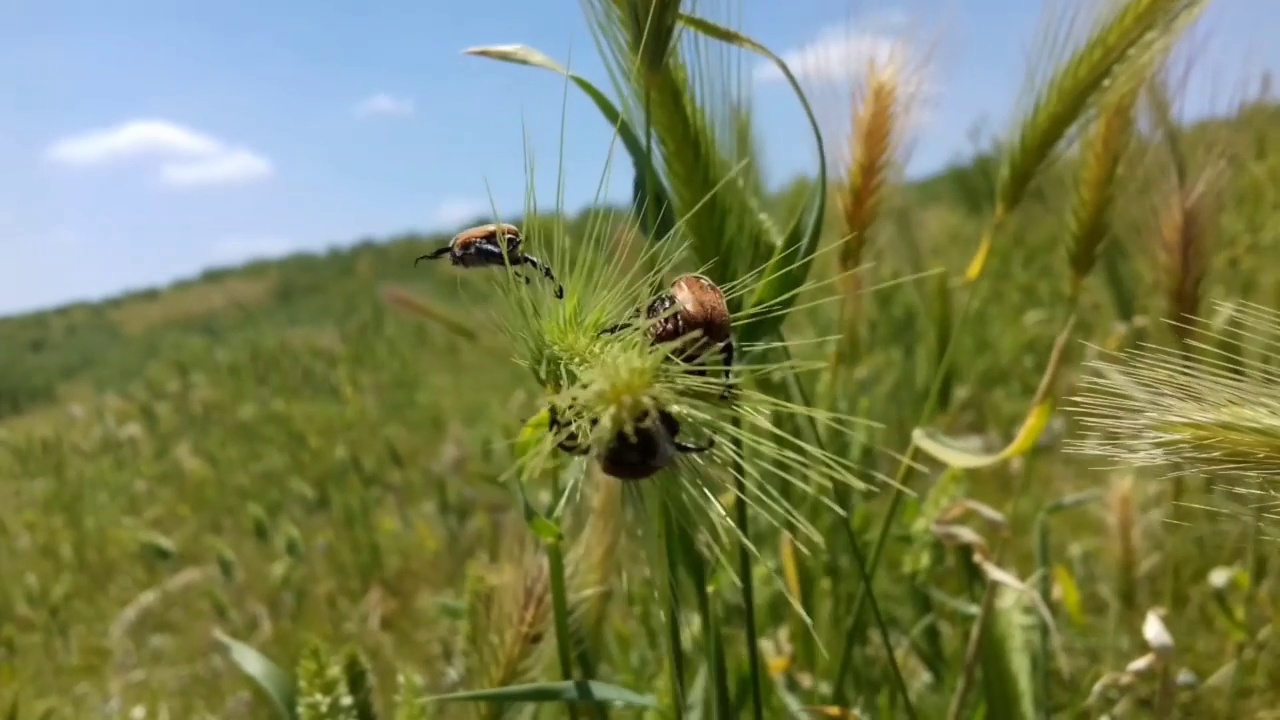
{"type": "Point", "coordinates": [483, 245]}
{"type": "Point", "coordinates": [650, 446]}
{"type": "Point", "coordinates": [692, 304]}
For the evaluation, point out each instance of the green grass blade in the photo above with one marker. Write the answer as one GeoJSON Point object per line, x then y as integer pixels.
{"type": "Point", "coordinates": [560, 605]}
{"type": "Point", "coordinates": [1044, 568]}
{"type": "Point", "coordinates": [671, 551]}
{"type": "Point", "coordinates": [789, 266]}
{"type": "Point", "coordinates": [268, 676]}
{"type": "Point", "coordinates": [741, 518]}
{"type": "Point", "coordinates": [574, 691]}
{"type": "Point", "coordinates": [1006, 667]}
{"type": "Point", "coordinates": [649, 187]}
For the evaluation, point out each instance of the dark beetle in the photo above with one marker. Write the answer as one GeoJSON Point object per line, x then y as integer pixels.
{"type": "Point", "coordinates": [483, 245]}
{"type": "Point", "coordinates": [650, 446]}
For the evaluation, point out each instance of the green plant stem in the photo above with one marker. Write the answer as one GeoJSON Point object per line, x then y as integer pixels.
{"type": "Point", "coordinates": [719, 667]}
{"type": "Point", "coordinates": [975, 646]}
{"type": "Point", "coordinates": [1044, 562]}
{"type": "Point", "coordinates": [863, 571]}
{"type": "Point", "coordinates": [742, 520]}
{"type": "Point", "coordinates": [1172, 580]}
{"type": "Point", "coordinates": [675, 644]}
{"type": "Point", "coordinates": [855, 548]}
{"type": "Point", "coordinates": [1249, 618]}
{"type": "Point", "coordinates": [560, 604]}
{"type": "Point", "coordinates": [587, 667]}
{"type": "Point", "coordinates": [1164, 691]}
{"type": "Point", "coordinates": [895, 502]}
{"type": "Point", "coordinates": [715, 640]}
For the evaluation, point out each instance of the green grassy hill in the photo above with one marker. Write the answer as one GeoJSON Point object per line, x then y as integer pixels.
{"type": "Point", "coordinates": [69, 351]}
{"type": "Point", "coordinates": [288, 450]}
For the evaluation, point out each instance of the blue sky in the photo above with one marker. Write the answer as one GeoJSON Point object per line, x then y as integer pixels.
{"type": "Point", "coordinates": [143, 140]}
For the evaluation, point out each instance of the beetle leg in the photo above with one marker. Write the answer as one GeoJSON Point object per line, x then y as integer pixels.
{"type": "Point", "coordinates": [619, 327]}
{"type": "Point", "coordinates": [672, 427]}
{"type": "Point", "coordinates": [433, 255]}
{"type": "Point", "coordinates": [571, 443]}
{"type": "Point", "coordinates": [726, 353]}
{"type": "Point", "coordinates": [545, 269]}
{"type": "Point", "coordinates": [687, 448]}
{"type": "Point", "coordinates": [615, 329]}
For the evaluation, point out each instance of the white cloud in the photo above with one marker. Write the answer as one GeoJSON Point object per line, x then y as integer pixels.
{"type": "Point", "coordinates": [243, 248]}
{"type": "Point", "coordinates": [235, 166]}
{"type": "Point", "coordinates": [837, 60]}
{"type": "Point", "coordinates": [131, 139]}
{"type": "Point", "coordinates": [837, 55]}
{"type": "Point", "coordinates": [188, 157]}
{"type": "Point", "coordinates": [455, 211]}
{"type": "Point", "coordinates": [384, 105]}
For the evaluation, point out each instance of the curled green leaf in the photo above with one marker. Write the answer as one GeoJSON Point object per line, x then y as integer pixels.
{"type": "Point", "coordinates": [268, 676]}
{"type": "Point", "coordinates": [658, 199]}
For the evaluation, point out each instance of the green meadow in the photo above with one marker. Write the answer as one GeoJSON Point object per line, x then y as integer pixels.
{"type": "Point", "coordinates": [999, 447]}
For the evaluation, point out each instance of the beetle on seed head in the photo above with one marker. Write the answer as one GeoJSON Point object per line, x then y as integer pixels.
{"type": "Point", "coordinates": [638, 452]}
{"type": "Point", "coordinates": [693, 304]}
{"type": "Point", "coordinates": [483, 245]}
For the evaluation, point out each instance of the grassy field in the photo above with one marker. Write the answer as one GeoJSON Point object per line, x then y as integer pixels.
{"type": "Point", "coordinates": [343, 462]}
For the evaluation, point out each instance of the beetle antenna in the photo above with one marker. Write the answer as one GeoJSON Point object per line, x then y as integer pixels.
{"type": "Point", "coordinates": [434, 254]}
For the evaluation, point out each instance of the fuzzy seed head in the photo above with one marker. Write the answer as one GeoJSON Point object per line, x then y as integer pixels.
{"type": "Point", "coordinates": [1209, 413]}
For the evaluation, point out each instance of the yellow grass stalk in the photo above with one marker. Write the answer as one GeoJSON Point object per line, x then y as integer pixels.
{"type": "Point", "coordinates": [530, 611]}
{"type": "Point", "coordinates": [1184, 241]}
{"type": "Point", "coordinates": [511, 610]}
{"type": "Point", "coordinates": [875, 137]}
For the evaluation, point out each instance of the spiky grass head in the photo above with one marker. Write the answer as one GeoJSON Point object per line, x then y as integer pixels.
{"type": "Point", "coordinates": [1215, 410]}
{"type": "Point", "coordinates": [614, 396]}
{"type": "Point", "coordinates": [601, 391]}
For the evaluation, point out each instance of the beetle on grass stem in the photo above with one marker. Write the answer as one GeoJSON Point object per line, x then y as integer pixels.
{"type": "Point", "coordinates": [693, 304]}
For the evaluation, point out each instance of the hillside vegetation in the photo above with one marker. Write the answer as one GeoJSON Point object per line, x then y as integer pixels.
{"type": "Point", "coordinates": [315, 453]}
